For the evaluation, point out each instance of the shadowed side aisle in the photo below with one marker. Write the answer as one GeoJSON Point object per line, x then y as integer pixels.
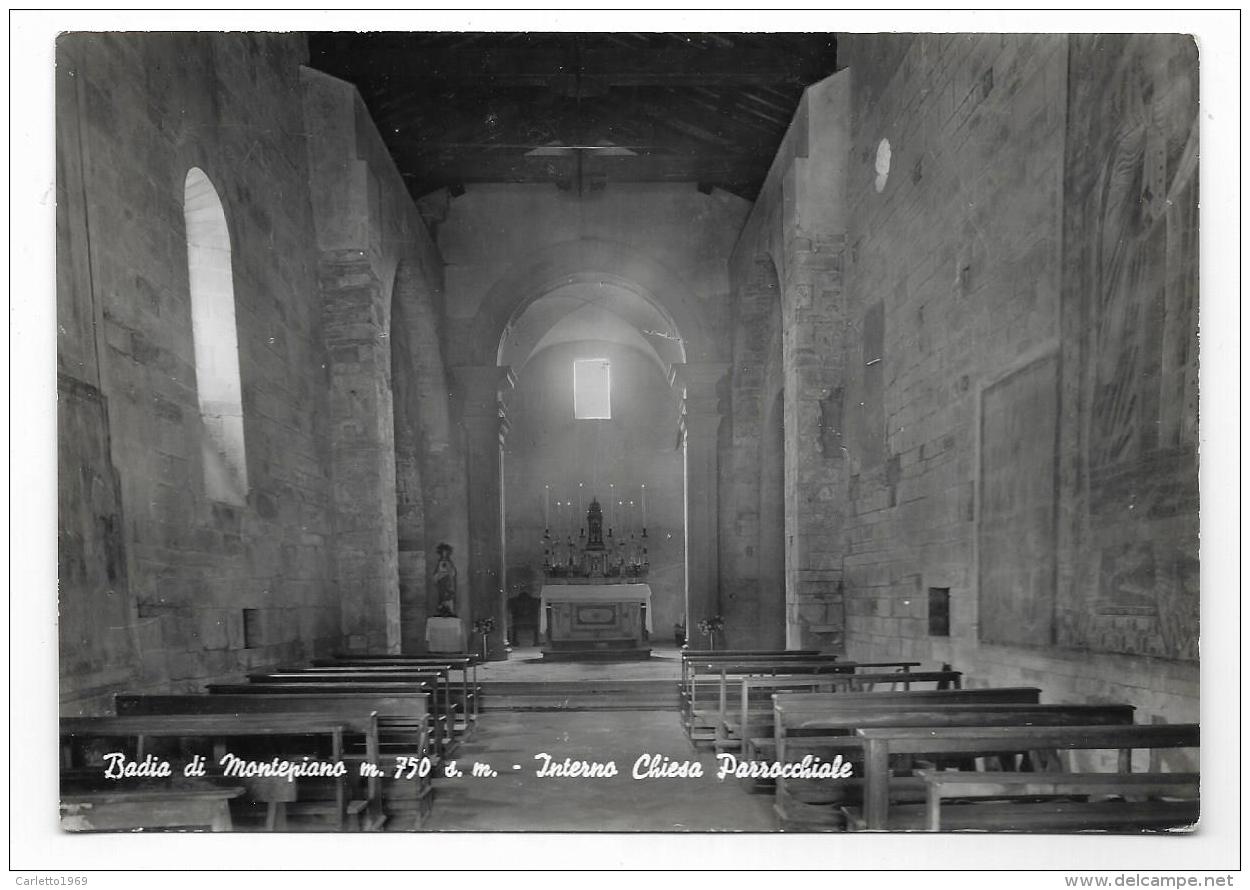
{"type": "Point", "coordinates": [520, 800]}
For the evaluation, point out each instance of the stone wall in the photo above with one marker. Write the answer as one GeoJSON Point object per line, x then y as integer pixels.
{"type": "Point", "coordinates": [979, 388]}
{"type": "Point", "coordinates": [670, 239]}
{"type": "Point", "coordinates": [155, 577]}
{"type": "Point", "coordinates": [1129, 509]}
{"type": "Point", "coordinates": [787, 265]}
{"type": "Point", "coordinates": [162, 587]}
{"type": "Point", "coordinates": [398, 475]}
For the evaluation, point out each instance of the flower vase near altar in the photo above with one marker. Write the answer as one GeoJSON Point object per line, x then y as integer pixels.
{"type": "Point", "coordinates": [710, 627]}
{"type": "Point", "coordinates": [483, 628]}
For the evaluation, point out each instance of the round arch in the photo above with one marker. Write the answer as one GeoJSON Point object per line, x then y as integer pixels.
{"type": "Point", "coordinates": [592, 261]}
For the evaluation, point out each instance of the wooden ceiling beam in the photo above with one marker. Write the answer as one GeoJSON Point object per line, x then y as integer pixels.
{"type": "Point", "coordinates": [500, 167]}
{"type": "Point", "coordinates": [642, 66]}
{"type": "Point", "coordinates": [730, 112]}
{"type": "Point", "coordinates": [748, 96]}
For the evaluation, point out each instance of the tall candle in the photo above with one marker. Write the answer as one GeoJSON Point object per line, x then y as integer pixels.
{"type": "Point", "coordinates": [546, 506]}
{"type": "Point", "coordinates": [611, 504]}
{"type": "Point", "coordinates": [644, 506]}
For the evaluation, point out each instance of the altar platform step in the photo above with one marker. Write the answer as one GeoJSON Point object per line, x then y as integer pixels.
{"type": "Point", "coordinates": [599, 653]}
{"type": "Point", "coordinates": [580, 695]}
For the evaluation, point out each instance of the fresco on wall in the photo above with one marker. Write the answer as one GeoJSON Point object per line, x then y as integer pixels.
{"type": "Point", "coordinates": [1131, 293]}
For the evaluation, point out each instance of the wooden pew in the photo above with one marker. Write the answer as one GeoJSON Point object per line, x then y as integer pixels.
{"type": "Point", "coordinates": [880, 744]}
{"type": "Point", "coordinates": [692, 655]}
{"type": "Point", "coordinates": [447, 703]}
{"type": "Point", "coordinates": [811, 803]}
{"type": "Point", "coordinates": [165, 809]}
{"type": "Point", "coordinates": [392, 656]}
{"type": "Point", "coordinates": [700, 723]}
{"type": "Point", "coordinates": [807, 712]}
{"type": "Point", "coordinates": [690, 661]}
{"type": "Point", "coordinates": [402, 728]}
{"type": "Point", "coordinates": [222, 727]}
{"type": "Point", "coordinates": [737, 732]}
{"type": "Point", "coordinates": [942, 785]}
{"type": "Point", "coordinates": [849, 677]}
{"type": "Point", "coordinates": [464, 665]}
{"type": "Point", "coordinates": [839, 723]}
{"type": "Point", "coordinates": [441, 731]}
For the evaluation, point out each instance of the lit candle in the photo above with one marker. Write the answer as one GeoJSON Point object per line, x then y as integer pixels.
{"type": "Point", "coordinates": [546, 506]}
{"type": "Point", "coordinates": [644, 506]}
{"type": "Point", "coordinates": [611, 504]}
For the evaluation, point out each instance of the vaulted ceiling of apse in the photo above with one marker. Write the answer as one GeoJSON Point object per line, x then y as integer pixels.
{"type": "Point", "coordinates": [578, 313]}
{"type": "Point", "coordinates": [579, 109]}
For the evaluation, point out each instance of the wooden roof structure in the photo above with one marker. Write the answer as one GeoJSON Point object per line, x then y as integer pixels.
{"type": "Point", "coordinates": [579, 109]}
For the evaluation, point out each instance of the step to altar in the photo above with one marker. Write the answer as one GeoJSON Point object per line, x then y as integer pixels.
{"type": "Point", "coordinates": [580, 695]}
{"type": "Point", "coordinates": [596, 653]}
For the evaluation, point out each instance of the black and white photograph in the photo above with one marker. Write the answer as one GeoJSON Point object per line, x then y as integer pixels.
{"type": "Point", "coordinates": [715, 431]}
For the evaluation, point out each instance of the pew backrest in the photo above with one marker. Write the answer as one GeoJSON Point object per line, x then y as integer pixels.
{"type": "Point", "coordinates": [922, 714]}
{"type": "Point", "coordinates": [880, 744]}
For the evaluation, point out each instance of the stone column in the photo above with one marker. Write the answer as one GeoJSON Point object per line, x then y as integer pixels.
{"type": "Point", "coordinates": [479, 396]}
{"type": "Point", "coordinates": [698, 384]}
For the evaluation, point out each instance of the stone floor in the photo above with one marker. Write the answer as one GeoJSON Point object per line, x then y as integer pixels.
{"type": "Point", "coordinates": [527, 664]}
{"type": "Point", "coordinates": [517, 799]}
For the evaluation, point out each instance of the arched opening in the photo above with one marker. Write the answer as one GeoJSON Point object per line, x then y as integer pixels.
{"type": "Point", "coordinates": [556, 461]}
{"type": "Point", "coordinates": [215, 339]}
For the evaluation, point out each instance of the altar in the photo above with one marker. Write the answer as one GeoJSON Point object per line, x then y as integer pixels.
{"type": "Point", "coordinates": [595, 620]}
{"type": "Point", "coordinates": [594, 603]}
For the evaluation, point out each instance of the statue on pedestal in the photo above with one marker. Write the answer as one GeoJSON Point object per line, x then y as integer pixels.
{"type": "Point", "coordinates": [445, 581]}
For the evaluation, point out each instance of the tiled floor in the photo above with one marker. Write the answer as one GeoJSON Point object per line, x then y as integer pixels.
{"type": "Point", "coordinates": [516, 799]}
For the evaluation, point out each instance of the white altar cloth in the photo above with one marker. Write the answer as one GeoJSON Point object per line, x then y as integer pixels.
{"type": "Point", "coordinates": [592, 593]}
{"type": "Point", "coordinates": [444, 635]}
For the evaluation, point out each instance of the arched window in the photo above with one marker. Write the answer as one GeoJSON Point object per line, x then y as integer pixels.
{"type": "Point", "coordinates": [216, 340]}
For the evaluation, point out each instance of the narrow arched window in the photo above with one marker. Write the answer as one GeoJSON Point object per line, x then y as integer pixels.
{"type": "Point", "coordinates": [216, 340]}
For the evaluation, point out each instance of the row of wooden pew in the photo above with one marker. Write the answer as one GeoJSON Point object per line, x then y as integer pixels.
{"type": "Point", "coordinates": [925, 754]}
{"type": "Point", "coordinates": [391, 720]}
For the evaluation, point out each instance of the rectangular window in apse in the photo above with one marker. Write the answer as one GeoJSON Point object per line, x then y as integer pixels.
{"type": "Point", "coordinates": [592, 389]}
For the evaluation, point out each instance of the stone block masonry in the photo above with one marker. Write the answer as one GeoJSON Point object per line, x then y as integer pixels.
{"type": "Point", "coordinates": [175, 571]}
{"type": "Point", "coordinates": [965, 253]}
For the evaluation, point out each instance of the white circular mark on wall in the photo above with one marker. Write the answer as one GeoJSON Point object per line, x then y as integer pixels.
{"type": "Point", "coordinates": [883, 163]}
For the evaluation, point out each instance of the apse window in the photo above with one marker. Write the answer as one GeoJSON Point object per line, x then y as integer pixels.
{"type": "Point", "coordinates": [215, 340]}
{"type": "Point", "coordinates": [592, 389]}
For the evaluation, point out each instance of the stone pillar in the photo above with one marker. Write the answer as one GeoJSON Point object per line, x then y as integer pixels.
{"type": "Point", "coordinates": [815, 463]}
{"type": "Point", "coordinates": [698, 384]}
{"type": "Point", "coordinates": [479, 396]}
{"type": "Point", "coordinates": [814, 321]}
{"type": "Point", "coordinates": [362, 445]}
